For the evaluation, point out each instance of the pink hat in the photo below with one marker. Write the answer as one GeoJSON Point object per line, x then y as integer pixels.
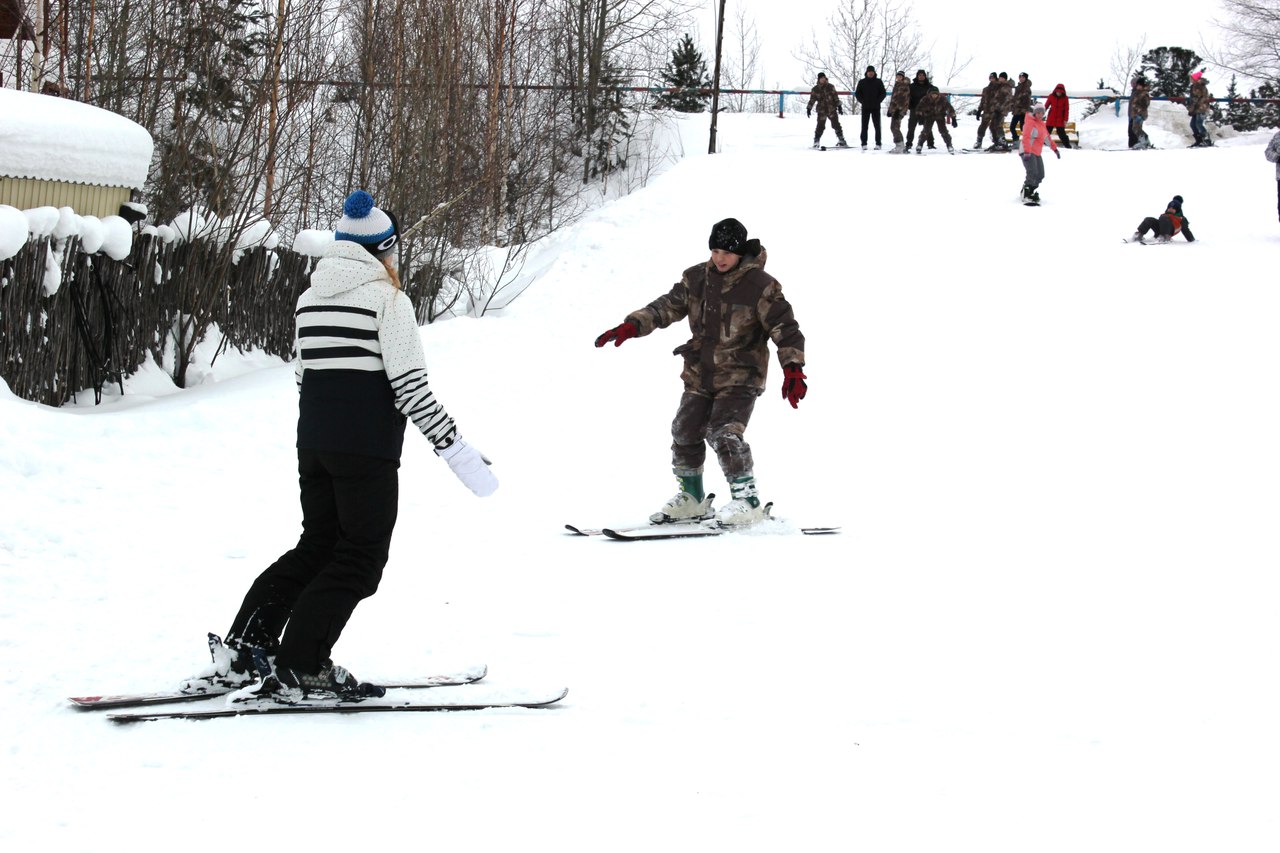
{"type": "Point", "coordinates": [1196, 75]}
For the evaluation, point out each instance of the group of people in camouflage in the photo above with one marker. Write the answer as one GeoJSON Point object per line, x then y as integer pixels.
{"type": "Point", "coordinates": [925, 107]}
{"type": "Point", "coordinates": [1198, 104]}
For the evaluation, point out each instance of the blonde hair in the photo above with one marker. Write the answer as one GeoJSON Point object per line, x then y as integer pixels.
{"type": "Point", "coordinates": [392, 272]}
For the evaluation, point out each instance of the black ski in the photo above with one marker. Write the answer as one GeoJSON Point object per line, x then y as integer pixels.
{"type": "Point", "coordinates": [462, 701]}
{"type": "Point", "coordinates": [137, 700]}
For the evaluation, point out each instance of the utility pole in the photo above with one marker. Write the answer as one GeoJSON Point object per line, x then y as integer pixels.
{"type": "Point", "coordinates": [715, 79]}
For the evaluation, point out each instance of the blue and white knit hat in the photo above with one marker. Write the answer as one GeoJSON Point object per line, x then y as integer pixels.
{"type": "Point", "coordinates": [362, 222]}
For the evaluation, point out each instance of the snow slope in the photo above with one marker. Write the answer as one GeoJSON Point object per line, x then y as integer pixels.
{"type": "Point", "coordinates": [1050, 623]}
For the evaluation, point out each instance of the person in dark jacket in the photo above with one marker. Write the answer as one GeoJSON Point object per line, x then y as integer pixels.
{"type": "Point", "coordinates": [1172, 221]}
{"type": "Point", "coordinates": [1021, 105]}
{"type": "Point", "coordinates": [734, 308]}
{"type": "Point", "coordinates": [919, 88]}
{"type": "Point", "coordinates": [361, 374]}
{"type": "Point", "coordinates": [935, 109]}
{"type": "Point", "coordinates": [1139, 105]}
{"type": "Point", "coordinates": [870, 94]}
{"type": "Point", "coordinates": [825, 97]}
{"type": "Point", "coordinates": [899, 105]}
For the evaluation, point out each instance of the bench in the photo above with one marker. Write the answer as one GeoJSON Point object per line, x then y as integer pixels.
{"type": "Point", "coordinates": [1069, 127]}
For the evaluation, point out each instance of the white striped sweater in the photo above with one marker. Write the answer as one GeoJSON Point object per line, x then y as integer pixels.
{"type": "Point", "coordinates": [360, 366]}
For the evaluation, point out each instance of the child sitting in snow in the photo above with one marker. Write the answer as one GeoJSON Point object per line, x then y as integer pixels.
{"type": "Point", "coordinates": [1171, 222]}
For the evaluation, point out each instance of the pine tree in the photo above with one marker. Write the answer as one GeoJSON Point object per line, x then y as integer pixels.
{"type": "Point", "coordinates": [1170, 68]}
{"type": "Point", "coordinates": [1240, 113]}
{"type": "Point", "coordinates": [686, 71]}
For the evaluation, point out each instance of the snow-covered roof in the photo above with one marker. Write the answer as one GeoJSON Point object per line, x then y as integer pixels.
{"type": "Point", "coordinates": [57, 139]}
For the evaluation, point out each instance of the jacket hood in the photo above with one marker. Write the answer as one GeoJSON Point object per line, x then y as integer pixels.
{"type": "Point", "coordinates": [1059, 89]}
{"type": "Point", "coordinates": [345, 266]}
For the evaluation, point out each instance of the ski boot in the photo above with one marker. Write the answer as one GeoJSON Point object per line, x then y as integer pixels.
{"type": "Point", "coordinates": [1164, 238]}
{"type": "Point", "coordinates": [688, 505]}
{"type": "Point", "coordinates": [840, 143]}
{"type": "Point", "coordinates": [816, 143]}
{"type": "Point", "coordinates": [951, 149]}
{"type": "Point", "coordinates": [331, 682]}
{"type": "Point", "coordinates": [745, 508]}
{"type": "Point", "coordinates": [1137, 237]}
{"type": "Point", "coordinates": [234, 665]}
{"type": "Point", "coordinates": [920, 148]}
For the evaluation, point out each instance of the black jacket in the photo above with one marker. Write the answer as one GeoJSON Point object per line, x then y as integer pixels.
{"type": "Point", "coordinates": [919, 90]}
{"type": "Point", "coordinates": [869, 92]}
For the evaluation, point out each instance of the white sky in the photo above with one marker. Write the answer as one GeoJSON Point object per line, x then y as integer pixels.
{"type": "Point", "coordinates": [1070, 43]}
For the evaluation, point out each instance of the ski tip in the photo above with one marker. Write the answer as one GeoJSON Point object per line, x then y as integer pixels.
{"type": "Point", "coordinates": [819, 531]}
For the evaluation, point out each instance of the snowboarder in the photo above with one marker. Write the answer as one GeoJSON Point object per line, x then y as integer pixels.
{"type": "Point", "coordinates": [899, 105]}
{"type": "Point", "coordinates": [828, 101]}
{"type": "Point", "coordinates": [1021, 105]}
{"type": "Point", "coordinates": [1058, 112]}
{"type": "Point", "coordinates": [734, 308]}
{"type": "Point", "coordinates": [1169, 223]}
{"type": "Point", "coordinates": [1035, 133]}
{"type": "Point", "coordinates": [1139, 104]}
{"type": "Point", "coordinates": [1198, 104]}
{"type": "Point", "coordinates": [934, 108]}
{"type": "Point", "coordinates": [986, 109]}
{"type": "Point", "coordinates": [870, 94]}
{"type": "Point", "coordinates": [1273, 154]}
{"type": "Point", "coordinates": [919, 88]}
{"type": "Point", "coordinates": [361, 373]}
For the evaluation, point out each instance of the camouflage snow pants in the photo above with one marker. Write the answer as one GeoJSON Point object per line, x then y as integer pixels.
{"type": "Point", "coordinates": [822, 127]}
{"type": "Point", "coordinates": [995, 121]}
{"type": "Point", "coordinates": [895, 128]}
{"type": "Point", "coordinates": [719, 421]}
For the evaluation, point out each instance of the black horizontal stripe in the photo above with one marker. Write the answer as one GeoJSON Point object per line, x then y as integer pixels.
{"type": "Point", "coordinates": [337, 332]}
{"type": "Point", "coordinates": [317, 353]}
{"type": "Point", "coordinates": [340, 309]}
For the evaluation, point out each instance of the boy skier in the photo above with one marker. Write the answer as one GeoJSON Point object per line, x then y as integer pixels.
{"type": "Point", "coordinates": [1171, 222]}
{"type": "Point", "coordinates": [734, 308]}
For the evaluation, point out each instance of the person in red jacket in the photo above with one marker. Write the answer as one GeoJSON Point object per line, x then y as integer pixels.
{"type": "Point", "coordinates": [1057, 112]}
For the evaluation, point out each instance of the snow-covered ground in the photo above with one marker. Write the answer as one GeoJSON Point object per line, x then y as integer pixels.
{"type": "Point", "coordinates": [1050, 623]}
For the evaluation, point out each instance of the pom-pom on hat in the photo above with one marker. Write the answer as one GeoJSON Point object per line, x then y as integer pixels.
{"type": "Point", "coordinates": [364, 223]}
{"type": "Point", "coordinates": [1196, 75]}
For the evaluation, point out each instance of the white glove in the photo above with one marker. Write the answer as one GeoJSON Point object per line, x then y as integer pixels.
{"type": "Point", "coordinates": [471, 467]}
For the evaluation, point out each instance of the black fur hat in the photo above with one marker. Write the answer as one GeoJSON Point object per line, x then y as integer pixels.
{"type": "Point", "coordinates": [729, 235]}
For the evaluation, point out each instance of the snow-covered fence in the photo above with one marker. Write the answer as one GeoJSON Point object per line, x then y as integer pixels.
{"type": "Point", "coordinates": [72, 321]}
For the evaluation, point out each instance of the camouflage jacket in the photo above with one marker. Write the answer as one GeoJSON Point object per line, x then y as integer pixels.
{"type": "Point", "coordinates": [1022, 97]}
{"type": "Point", "coordinates": [824, 95]}
{"type": "Point", "coordinates": [1139, 103]}
{"type": "Point", "coordinates": [988, 103]}
{"type": "Point", "coordinates": [1200, 100]}
{"type": "Point", "coordinates": [900, 100]}
{"type": "Point", "coordinates": [732, 318]}
{"type": "Point", "coordinates": [935, 106]}
{"type": "Point", "coordinates": [1003, 97]}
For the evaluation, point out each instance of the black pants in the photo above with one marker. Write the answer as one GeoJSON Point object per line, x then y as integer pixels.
{"type": "Point", "coordinates": [1062, 136]}
{"type": "Point", "coordinates": [1015, 123]}
{"type": "Point", "coordinates": [870, 115]}
{"type": "Point", "coordinates": [1163, 226]}
{"type": "Point", "coordinates": [720, 421]}
{"type": "Point", "coordinates": [349, 506]}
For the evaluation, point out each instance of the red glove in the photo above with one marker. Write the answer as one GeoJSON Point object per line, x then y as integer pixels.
{"type": "Point", "coordinates": [618, 334]}
{"type": "Point", "coordinates": [793, 386]}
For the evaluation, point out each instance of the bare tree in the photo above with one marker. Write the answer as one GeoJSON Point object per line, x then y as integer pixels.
{"type": "Point", "coordinates": [1251, 42]}
{"type": "Point", "coordinates": [1125, 62]}
{"type": "Point", "coordinates": [741, 57]}
{"type": "Point", "coordinates": [883, 33]}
